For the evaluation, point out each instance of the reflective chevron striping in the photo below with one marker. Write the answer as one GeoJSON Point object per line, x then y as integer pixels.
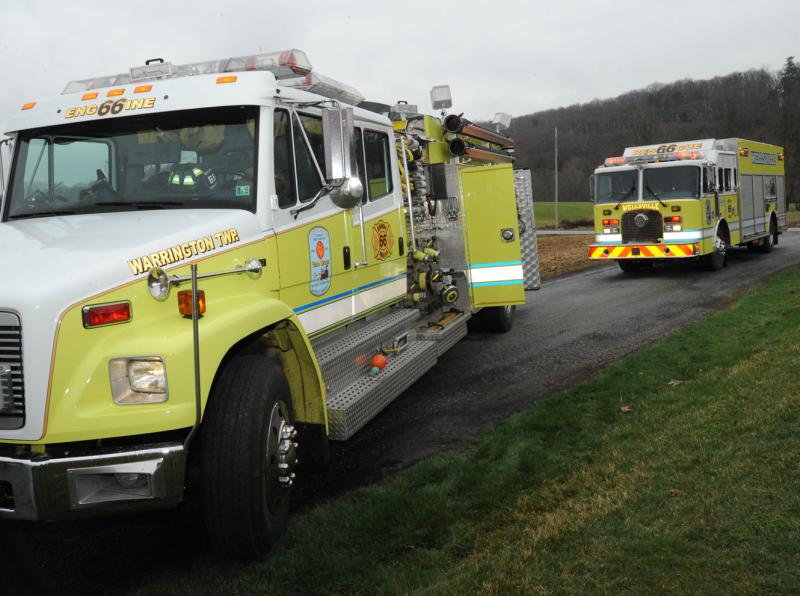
{"type": "Point", "coordinates": [646, 251]}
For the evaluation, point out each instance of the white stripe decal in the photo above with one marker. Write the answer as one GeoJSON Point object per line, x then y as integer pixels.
{"type": "Point", "coordinates": [608, 237]}
{"type": "Point", "coordinates": [487, 274]}
{"type": "Point", "coordinates": [671, 236]}
{"type": "Point", "coordinates": [350, 306]}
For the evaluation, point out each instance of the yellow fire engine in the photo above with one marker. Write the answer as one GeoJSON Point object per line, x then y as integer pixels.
{"type": "Point", "coordinates": [692, 199]}
{"type": "Point", "coordinates": [219, 266]}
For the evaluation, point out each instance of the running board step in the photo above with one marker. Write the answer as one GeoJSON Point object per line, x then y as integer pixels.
{"type": "Point", "coordinates": [357, 404]}
{"type": "Point", "coordinates": [345, 356]}
{"type": "Point", "coordinates": [446, 331]}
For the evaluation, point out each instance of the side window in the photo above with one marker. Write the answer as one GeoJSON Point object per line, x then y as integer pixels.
{"type": "Point", "coordinates": [734, 181]}
{"type": "Point", "coordinates": [312, 126]}
{"type": "Point", "coordinates": [360, 163]}
{"type": "Point", "coordinates": [379, 170]}
{"type": "Point", "coordinates": [309, 182]}
{"type": "Point", "coordinates": [37, 167]}
{"type": "Point", "coordinates": [284, 176]}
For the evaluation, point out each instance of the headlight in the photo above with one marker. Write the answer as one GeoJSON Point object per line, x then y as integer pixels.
{"type": "Point", "coordinates": [141, 380]}
{"type": "Point", "coordinates": [158, 283]}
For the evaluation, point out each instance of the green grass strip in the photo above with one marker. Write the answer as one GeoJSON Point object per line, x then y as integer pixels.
{"type": "Point", "coordinates": [696, 490]}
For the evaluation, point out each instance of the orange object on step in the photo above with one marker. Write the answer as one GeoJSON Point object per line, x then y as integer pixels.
{"type": "Point", "coordinates": [379, 361]}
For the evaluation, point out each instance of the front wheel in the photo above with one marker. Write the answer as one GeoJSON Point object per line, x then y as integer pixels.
{"type": "Point", "coordinates": [249, 455]}
{"type": "Point", "coordinates": [716, 260]}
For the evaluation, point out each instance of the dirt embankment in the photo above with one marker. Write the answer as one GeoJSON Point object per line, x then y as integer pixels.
{"type": "Point", "coordinates": [563, 254]}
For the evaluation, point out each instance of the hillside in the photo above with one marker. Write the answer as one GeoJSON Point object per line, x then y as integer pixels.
{"type": "Point", "coordinates": [756, 104]}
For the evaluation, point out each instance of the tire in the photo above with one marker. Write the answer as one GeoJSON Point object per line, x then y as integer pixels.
{"type": "Point", "coordinates": [629, 265]}
{"type": "Point", "coordinates": [768, 242]}
{"type": "Point", "coordinates": [716, 260]}
{"type": "Point", "coordinates": [247, 434]}
{"type": "Point", "coordinates": [498, 319]}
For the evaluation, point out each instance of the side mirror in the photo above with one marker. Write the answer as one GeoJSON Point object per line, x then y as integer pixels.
{"type": "Point", "coordinates": [338, 130]}
{"type": "Point", "coordinates": [591, 188]}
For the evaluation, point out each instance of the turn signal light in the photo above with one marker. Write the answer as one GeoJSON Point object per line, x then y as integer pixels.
{"type": "Point", "coordinates": [185, 302]}
{"type": "Point", "coordinates": [673, 219]}
{"type": "Point", "coordinates": [29, 105]}
{"type": "Point", "coordinates": [115, 92]}
{"type": "Point", "coordinates": [228, 79]}
{"type": "Point", "coordinates": [143, 89]}
{"type": "Point", "coordinates": [780, 156]}
{"type": "Point", "coordinates": [744, 152]}
{"type": "Point", "coordinates": [610, 222]}
{"type": "Point", "coordinates": [106, 314]}
{"type": "Point", "coordinates": [88, 96]}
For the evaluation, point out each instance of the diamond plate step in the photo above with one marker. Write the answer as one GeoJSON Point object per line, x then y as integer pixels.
{"type": "Point", "coordinates": [358, 403]}
{"type": "Point", "coordinates": [445, 337]}
{"type": "Point", "coordinates": [345, 357]}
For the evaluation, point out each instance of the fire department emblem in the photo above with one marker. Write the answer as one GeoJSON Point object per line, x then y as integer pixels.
{"type": "Point", "coordinates": [382, 240]}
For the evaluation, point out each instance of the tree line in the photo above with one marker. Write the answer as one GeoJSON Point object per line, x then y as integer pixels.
{"type": "Point", "coordinates": [758, 104]}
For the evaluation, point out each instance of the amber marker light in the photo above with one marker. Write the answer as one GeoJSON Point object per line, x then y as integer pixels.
{"type": "Point", "coordinates": [226, 79]}
{"type": "Point", "coordinates": [143, 89]}
{"type": "Point", "coordinates": [115, 92]}
{"type": "Point", "coordinates": [88, 96]}
{"type": "Point", "coordinates": [185, 302]}
{"type": "Point", "coordinates": [29, 105]}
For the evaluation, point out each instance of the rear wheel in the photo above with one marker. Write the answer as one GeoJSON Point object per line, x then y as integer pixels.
{"type": "Point", "coordinates": [769, 242]}
{"type": "Point", "coordinates": [498, 319]}
{"type": "Point", "coordinates": [249, 455]}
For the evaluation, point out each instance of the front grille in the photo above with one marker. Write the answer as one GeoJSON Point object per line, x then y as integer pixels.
{"type": "Point", "coordinates": [647, 228]}
{"type": "Point", "coordinates": [12, 388]}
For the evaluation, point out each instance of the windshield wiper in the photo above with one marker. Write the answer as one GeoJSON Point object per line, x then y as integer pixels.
{"type": "Point", "coordinates": [40, 214]}
{"type": "Point", "coordinates": [138, 204]}
{"type": "Point", "coordinates": [625, 196]}
{"type": "Point", "coordinates": [652, 192]}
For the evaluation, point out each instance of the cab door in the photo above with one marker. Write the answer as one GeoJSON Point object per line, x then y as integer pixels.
{"type": "Point", "coordinates": [379, 274]}
{"type": "Point", "coordinates": [312, 233]}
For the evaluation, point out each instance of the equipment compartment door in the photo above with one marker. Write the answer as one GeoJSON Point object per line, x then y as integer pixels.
{"type": "Point", "coordinates": [747, 210]}
{"type": "Point", "coordinates": [491, 230]}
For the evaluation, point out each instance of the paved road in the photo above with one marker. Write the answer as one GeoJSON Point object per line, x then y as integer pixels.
{"type": "Point", "coordinates": [568, 329]}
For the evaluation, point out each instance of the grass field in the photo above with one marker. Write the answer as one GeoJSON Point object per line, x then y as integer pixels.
{"type": "Point", "coordinates": [672, 471]}
{"type": "Point", "coordinates": [569, 213]}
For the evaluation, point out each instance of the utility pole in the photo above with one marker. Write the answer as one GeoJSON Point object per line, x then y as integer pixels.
{"type": "Point", "coordinates": [556, 193]}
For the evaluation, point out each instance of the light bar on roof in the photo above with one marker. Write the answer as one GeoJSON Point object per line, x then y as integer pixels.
{"type": "Point", "coordinates": [657, 158]}
{"type": "Point", "coordinates": [284, 65]}
{"type": "Point", "coordinates": [326, 87]}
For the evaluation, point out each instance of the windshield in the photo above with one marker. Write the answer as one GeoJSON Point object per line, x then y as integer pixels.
{"type": "Point", "coordinates": [613, 187]}
{"type": "Point", "coordinates": [679, 182]}
{"type": "Point", "coordinates": [189, 159]}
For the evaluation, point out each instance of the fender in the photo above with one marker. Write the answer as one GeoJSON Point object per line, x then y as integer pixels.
{"type": "Point", "coordinates": [80, 406]}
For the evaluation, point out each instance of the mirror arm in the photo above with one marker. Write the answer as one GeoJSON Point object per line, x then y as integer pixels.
{"type": "Point", "coordinates": [326, 188]}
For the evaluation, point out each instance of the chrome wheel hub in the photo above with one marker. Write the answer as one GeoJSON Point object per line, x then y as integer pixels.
{"type": "Point", "coordinates": [281, 455]}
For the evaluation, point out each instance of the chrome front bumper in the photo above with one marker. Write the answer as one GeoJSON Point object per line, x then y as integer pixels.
{"type": "Point", "coordinates": [59, 488]}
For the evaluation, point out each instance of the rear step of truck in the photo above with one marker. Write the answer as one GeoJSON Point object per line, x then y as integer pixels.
{"type": "Point", "coordinates": [412, 348]}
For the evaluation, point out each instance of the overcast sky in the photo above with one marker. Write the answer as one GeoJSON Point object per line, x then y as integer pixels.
{"type": "Point", "coordinates": [515, 57]}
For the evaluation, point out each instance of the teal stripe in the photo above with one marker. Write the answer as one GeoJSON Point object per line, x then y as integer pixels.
{"type": "Point", "coordinates": [503, 264]}
{"type": "Point", "coordinates": [484, 284]}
